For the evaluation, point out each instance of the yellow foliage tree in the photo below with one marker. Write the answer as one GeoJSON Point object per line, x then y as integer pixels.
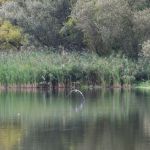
{"type": "Point", "coordinates": [3, 1]}
{"type": "Point", "coordinates": [10, 36]}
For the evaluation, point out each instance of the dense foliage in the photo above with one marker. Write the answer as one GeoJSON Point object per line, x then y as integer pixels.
{"type": "Point", "coordinates": [103, 27]}
{"type": "Point", "coordinates": [11, 36]}
{"type": "Point", "coordinates": [96, 25]}
{"type": "Point", "coordinates": [29, 67]}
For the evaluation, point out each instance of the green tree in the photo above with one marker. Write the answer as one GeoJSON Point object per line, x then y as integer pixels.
{"type": "Point", "coordinates": [142, 25]}
{"type": "Point", "coordinates": [107, 25]}
{"type": "Point", "coordinates": [139, 4]}
{"type": "Point", "coordinates": [42, 20]}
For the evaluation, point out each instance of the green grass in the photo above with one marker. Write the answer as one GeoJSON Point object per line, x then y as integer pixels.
{"type": "Point", "coordinates": [143, 85]}
{"type": "Point", "coordinates": [31, 67]}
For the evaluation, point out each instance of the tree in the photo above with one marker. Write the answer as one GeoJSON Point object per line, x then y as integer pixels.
{"type": "Point", "coordinates": [139, 4]}
{"type": "Point", "coordinates": [143, 70]}
{"type": "Point", "coordinates": [3, 1]}
{"type": "Point", "coordinates": [146, 49]}
{"type": "Point", "coordinates": [142, 25]}
{"type": "Point", "coordinates": [42, 20]}
{"type": "Point", "coordinates": [107, 25]}
{"type": "Point", "coordinates": [11, 36]}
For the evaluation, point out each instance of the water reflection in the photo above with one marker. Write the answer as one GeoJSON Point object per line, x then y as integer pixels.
{"type": "Point", "coordinates": [107, 120]}
{"type": "Point", "coordinates": [10, 135]}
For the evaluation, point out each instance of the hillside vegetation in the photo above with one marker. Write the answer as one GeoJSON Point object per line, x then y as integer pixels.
{"type": "Point", "coordinates": [101, 29]}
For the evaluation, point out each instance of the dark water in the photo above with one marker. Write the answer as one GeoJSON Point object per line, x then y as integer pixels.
{"type": "Point", "coordinates": [107, 120]}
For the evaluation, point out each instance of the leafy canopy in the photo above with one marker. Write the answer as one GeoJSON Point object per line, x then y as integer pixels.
{"type": "Point", "coordinates": [10, 35]}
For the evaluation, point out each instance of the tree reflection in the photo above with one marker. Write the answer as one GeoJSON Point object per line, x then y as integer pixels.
{"type": "Point", "coordinates": [112, 120]}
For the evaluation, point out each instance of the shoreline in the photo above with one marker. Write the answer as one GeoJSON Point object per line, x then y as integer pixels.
{"type": "Point", "coordinates": [49, 70]}
{"type": "Point", "coordinates": [63, 86]}
{"type": "Point", "coordinates": [143, 85]}
{"type": "Point", "coordinates": [73, 85]}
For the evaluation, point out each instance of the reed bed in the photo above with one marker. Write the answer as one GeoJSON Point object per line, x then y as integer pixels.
{"type": "Point", "coordinates": [36, 68]}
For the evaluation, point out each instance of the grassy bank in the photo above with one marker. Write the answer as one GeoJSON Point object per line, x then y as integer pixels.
{"type": "Point", "coordinates": [143, 85]}
{"type": "Point", "coordinates": [33, 68]}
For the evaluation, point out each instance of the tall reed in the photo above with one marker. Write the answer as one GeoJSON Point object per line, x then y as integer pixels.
{"type": "Point", "coordinates": [30, 67]}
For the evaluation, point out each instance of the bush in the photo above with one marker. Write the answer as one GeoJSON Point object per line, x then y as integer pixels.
{"type": "Point", "coordinates": [142, 25]}
{"type": "Point", "coordinates": [102, 26]}
{"type": "Point", "coordinates": [72, 37]}
{"type": "Point", "coordinates": [143, 66]}
{"type": "Point", "coordinates": [139, 4]}
{"type": "Point", "coordinates": [146, 49]}
{"type": "Point", "coordinates": [10, 36]}
{"type": "Point", "coordinates": [3, 1]}
{"type": "Point", "coordinates": [107, 25]}
{"type": "Point", "coordinates": [42, 20]}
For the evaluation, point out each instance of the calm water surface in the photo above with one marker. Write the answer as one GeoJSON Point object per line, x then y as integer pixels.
{"type": "Point", "coordinates": [107, 120]}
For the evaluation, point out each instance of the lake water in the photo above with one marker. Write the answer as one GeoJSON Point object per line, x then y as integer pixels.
{"type": "Point", "coordinates": [106, 120]}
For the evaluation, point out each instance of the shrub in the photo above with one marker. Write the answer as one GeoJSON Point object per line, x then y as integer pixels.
{"type": "Point", "coordinates": [142, 25]}
{"type": "Point", "coordinates": [107, 25]}
{"type": "Point", "coordinates": [10, 36]}
{"type": "Point", "coordinates": [146, 49]}
{"type": "Point", "coordinates": [3, 1]}
{"type": "Point", "coordinates": [143, 66]}
{"type": "Point", "coordinates": [42, 20]}
{"type": "Point", "coordinates": [72, 37]}
{"type": "Point", "coordinates": [139, 4]}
